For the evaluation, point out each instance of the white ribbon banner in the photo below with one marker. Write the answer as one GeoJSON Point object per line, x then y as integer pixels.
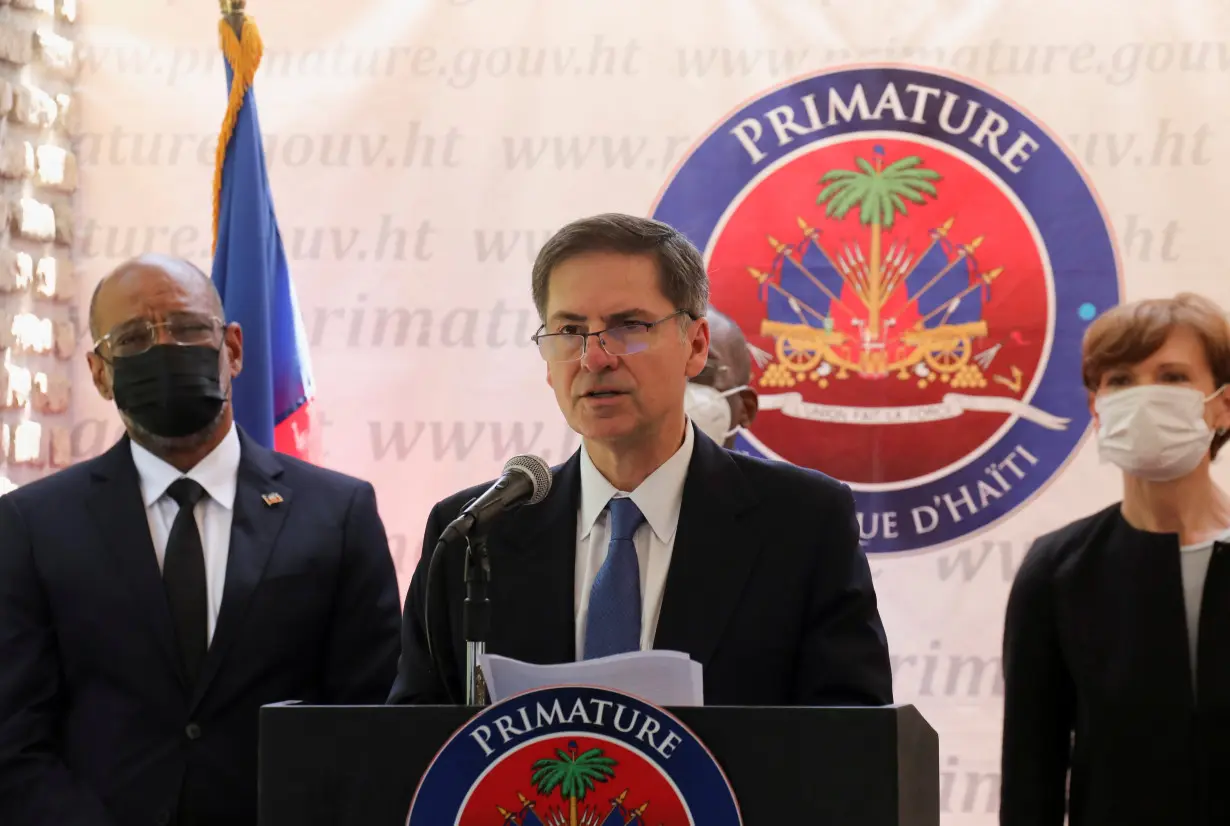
{"type": "Point", "coordinates": [952, 406]}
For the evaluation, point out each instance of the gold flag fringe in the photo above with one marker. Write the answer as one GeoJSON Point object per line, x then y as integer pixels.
{"type": "Point", "coordinates": [243, 53]}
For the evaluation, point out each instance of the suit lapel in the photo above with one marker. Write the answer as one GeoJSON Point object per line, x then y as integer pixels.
{"type": "Point", "coordinates": [254, 531]}
{"type": "Point", "coordinates": [116, 506]}
{"type": "Point", "coordinates": [532, 584]}
{"type": "Point", "coordinates": [713, 554]}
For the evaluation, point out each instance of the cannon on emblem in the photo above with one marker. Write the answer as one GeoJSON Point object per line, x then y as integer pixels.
{"type": "Point", "coordinates": [945, 348]}
{"type": "Point", "coordinates": [800, 347]}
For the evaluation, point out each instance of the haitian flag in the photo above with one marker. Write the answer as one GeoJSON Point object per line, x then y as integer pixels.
{"type": "Point", "coordinates": [272, 395]}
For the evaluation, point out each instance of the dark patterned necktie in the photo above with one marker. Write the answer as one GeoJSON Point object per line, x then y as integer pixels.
{"type": "Point", "coordinates": [614, 621]}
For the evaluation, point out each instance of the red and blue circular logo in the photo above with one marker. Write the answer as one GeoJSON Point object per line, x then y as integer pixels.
{"type": "Point", "coordinates": [913, 261]}
{"type": "Point", "coordinates": [574, 756]}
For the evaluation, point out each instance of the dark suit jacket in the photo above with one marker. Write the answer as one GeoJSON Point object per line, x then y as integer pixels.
{"type": "Point", "coordinates": [1098, 682]}
{"type": "Point", "coordinates": [767, 587]}
{"type": "Point", "coordinates": [96, 723]}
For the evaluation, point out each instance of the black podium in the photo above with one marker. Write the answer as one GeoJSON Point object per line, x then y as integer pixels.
{"type": "Point", "coordinates": [360, 765]}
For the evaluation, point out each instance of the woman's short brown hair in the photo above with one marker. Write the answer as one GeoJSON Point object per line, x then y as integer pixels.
{"type": "Point", "coordinates": [1129, 333]}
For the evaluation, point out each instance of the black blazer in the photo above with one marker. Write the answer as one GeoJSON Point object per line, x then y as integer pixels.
{"type": "Point", "coordinates": [97, 726]}
{"type": "Point", "coordinates": [767, 587]}
{"type": "Point", "coordinates": [1097, 681]}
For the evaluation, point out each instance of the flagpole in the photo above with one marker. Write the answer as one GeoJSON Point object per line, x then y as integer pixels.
{"type": "Point", "coordinates": [273, 398]}
{"type": "Point", "coordinates": [241, 44]}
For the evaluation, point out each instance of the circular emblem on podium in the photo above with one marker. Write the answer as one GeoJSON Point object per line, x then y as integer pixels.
{"type": "Point", "coordinates": [574, 756]}
{"type": "Point", "coordinates": [913, 260]}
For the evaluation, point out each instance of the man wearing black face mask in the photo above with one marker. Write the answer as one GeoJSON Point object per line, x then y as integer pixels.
{"type": "Point", "coordinates": [154, 598]}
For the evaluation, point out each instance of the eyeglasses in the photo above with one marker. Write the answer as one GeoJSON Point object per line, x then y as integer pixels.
{"type": "Point", "coordinates": [132, 338]}
{"type": "Point", "coordinates": [624, 340]}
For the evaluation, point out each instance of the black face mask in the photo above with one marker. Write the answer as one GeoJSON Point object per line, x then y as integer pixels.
{"type": "Point", "coordinates": [170, 390]}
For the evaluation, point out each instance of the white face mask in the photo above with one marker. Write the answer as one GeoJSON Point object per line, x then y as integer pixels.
{"type": "Point", "coordinates": [710, 411]}
{"type": "Point", "coordinates": [1155, 431]}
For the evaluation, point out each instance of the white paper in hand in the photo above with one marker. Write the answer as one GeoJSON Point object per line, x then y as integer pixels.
{"type": "Point", "coordinates": [663, 678]}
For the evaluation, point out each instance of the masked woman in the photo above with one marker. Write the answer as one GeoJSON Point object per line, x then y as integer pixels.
{"type": "Point", "coordinates": [1117, 630]}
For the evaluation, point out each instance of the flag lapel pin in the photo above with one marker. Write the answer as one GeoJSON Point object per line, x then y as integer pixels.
{"type": "Point", "coordinates": [271, 499]}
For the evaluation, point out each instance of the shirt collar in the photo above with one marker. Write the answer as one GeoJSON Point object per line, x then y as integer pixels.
{"type": "Point", "coordinates": [659, 497]}
{"type": "Point", "coordinates": [217, 473]}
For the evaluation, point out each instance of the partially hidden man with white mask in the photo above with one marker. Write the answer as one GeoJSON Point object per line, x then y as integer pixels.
{"type": "Point", "coordinates": [1117, 632]}
{"type": "Point", "coordinates": [720, 400]}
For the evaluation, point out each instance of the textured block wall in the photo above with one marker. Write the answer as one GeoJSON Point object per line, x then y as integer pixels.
{"type": "Point", "coordinates": [38, 293]}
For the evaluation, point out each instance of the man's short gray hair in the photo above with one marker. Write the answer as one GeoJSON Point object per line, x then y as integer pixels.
{"type": "Point", "coordinates": [681, 269]}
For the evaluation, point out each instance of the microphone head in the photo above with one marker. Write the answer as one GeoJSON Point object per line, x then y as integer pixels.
{"type": "Point", "coordinates": [537, 470]}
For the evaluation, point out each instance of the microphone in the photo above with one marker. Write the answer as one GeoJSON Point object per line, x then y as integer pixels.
{"type": "Point", "coordinates": [526, 480]}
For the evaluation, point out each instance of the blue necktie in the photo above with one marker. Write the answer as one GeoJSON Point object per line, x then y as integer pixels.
{"type": "Point", "coordinates": [614, 624]}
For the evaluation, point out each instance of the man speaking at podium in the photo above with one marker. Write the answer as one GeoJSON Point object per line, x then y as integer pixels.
{"type": "Point", "coordinates": [653, 535]}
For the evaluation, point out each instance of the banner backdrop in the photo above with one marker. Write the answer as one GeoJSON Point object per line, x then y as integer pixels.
{"type": "Point", "coordinates": [1042, 160]}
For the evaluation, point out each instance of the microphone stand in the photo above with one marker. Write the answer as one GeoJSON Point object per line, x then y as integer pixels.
{"type": "Point", "coordinates": [476, 617]}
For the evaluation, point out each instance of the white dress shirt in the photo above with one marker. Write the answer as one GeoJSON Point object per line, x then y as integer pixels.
{"type": "Point", "coordinates": [660, 498]}
{"type": "Point", "coordinates": [218, 474]}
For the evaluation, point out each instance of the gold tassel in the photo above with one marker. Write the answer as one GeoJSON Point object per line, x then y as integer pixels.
{"type": "Point", "coordinates": [244, 55]}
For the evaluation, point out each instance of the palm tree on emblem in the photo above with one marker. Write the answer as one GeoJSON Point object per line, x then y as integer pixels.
{"type": "Point", "coordinates": [878, 191]}
{"type": "Point", "coordinates": [573, 774]}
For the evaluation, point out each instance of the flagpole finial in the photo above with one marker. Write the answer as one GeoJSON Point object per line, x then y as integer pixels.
{"type": "Point", "coordinates": [233, 13]}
